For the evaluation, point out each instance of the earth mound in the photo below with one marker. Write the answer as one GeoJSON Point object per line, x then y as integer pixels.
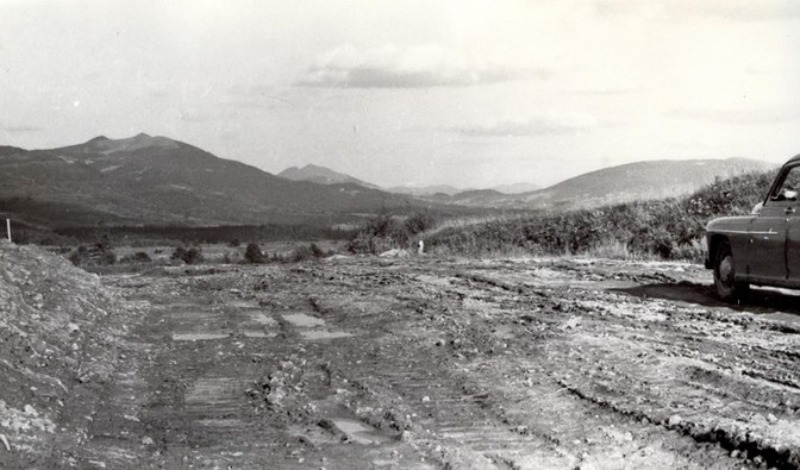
{"type": "Point", "coordinates": [60, 333]}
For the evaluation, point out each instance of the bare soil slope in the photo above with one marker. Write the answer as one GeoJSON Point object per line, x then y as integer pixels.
{"type": "Point", "coordinates": [60, 340]}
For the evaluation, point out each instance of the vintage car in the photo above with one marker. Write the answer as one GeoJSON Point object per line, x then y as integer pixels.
{"type": "Point", "coordinates": [762, 248]}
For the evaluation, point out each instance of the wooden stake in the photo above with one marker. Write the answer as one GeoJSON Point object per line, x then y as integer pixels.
{"type": "Point", "coordinates": [8, 229]}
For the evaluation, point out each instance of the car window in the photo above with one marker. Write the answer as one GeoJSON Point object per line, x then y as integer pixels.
{"type": "Point", "coordinates": [789, 189]}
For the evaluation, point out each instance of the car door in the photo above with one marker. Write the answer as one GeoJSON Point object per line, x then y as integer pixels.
{"type": "Point", "coordinates": [793, 231]}
{"type": "Point", "coordinates": [768, 233]}
{"type": "Point", "coordinates": [793, 250]}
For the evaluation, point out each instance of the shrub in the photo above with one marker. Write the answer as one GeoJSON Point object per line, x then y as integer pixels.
{"type": "Point", "coordinates": [191, 256]}
{"type": "Point", "coordinates": [93, 256]}
{"type": "Point", "coordinates": [652, 241]}
{"type": "Point", "coordinates": [79, 255]}
{"type": "Point", "coordinates": [384, 232]}
{"type": "Point", "coordinates": [316, 251]}
{"type": "Point", "coordinates": [303, 252]}
{"type": "Point", "coordinates": [178, 253]}
{"type": "Point", "coordinates": [253, 254]}
{"type": "Point", "coordinates": [109, 257]}
{"type": "Point", "coordinates": [418, 222]}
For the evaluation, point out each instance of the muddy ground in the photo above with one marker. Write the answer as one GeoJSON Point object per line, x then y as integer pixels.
{"type": "Point", "coordinates": [429, 363]}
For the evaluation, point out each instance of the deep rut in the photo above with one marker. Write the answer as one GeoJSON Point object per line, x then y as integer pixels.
{"type": "Point", "coordinates": [431, 364]}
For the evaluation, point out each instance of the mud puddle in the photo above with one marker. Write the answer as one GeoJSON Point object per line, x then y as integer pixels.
{"type": "Point", "coordinates": [258, 334]}
{"type": "Point", "coordinates": [263, 319]}
{"type": "Point", "coordinates": [313, 328]}
{"type": "Point", "coordinates": [359, 432]}
{"type": "Point", "coordinates": [303, 320]}
{"type": "Point", "coordinates": [198, 336]}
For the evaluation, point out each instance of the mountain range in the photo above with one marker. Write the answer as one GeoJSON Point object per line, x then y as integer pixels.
{"type": "Point", "coordinates": [145, 179]}
{"type": "Point", "coordinates": [655, 179]}
{"type": "Point", "coordinates": [324, 175]}
{"type": "Point", "coordinates": [634, 181]}
{"type": "Point", "coordinates": [157, 180]}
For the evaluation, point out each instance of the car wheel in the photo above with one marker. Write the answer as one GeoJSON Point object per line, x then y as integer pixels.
{"type": "Point", "coordinates": [728, 289]}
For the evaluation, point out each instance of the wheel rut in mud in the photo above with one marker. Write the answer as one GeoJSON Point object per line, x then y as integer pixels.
{"type": "Point", "coordinates": [428, 363]}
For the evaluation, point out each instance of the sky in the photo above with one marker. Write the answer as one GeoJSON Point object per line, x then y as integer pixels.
{"type": "Point", "coordinates": [469, 93]}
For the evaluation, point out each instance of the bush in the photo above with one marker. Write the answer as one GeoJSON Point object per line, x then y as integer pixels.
{"type": "Point", "coordinates": [79, 256]}
{"type": "Point", "coordinates": [253, 254]}
{"type": "Point", "coordinates": [316, 251]}
{"type": "Point", "coordinates": [303, 252]}
{"type": "Point", "coordinates": [418, 222]}
{"type": "Point", "coordinates": [384, 232]}
{"type": "Point", "coordinates": [109, 257]}
{"type": "Point", "coordinates": [191, 256]}
{"type": "Point", "coordinates": [93, 256]}
{"type": "Point", "coordinates": [178, 253]}
{"type": "Point", "coordinates": [649, 241]}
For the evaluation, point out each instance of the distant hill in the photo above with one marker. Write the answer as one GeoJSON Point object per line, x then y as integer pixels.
{"type": "Point", "coordinates": [146, 179]}
{"type": "Point", "coordinates": [517, 188]}
{"type": "Point", "coordinates": [473, 197]}
{"type": "Point", "coordinates": [321, 175]}
{"type": "Point", "coordinates": [438, 190]}
{"type": "Point", "coordinates": [666, 228]}
{"type": "Point", "coordinates": [625, 183]}
{"type": "Point", "coordinates": [425, 190]}
{"type": "Point", "coordinates": [639, 181]}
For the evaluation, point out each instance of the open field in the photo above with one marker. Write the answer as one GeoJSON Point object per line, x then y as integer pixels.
{"type": "Point", "coordinates": [429, 363]}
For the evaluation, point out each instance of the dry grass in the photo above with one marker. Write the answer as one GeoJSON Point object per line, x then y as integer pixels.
{"type": "Point", "coordinates": [471, 221]}
{"type": "Point", "coordinates": [668, 229]}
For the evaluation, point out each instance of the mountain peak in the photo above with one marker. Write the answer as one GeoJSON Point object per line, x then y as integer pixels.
{"type": "Point", "coordinates": [320, 174]}
{"type": "Point", "coordinates": [130, 144]}
{"type": "Point", "coordinates": [311, 166]}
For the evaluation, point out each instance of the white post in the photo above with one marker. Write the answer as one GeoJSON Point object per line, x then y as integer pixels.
{"type": "Point", "coordinates": [8, 229]}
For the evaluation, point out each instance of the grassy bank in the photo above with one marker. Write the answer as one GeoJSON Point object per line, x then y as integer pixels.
{"type": "Point", "coordinates": [669, 229]}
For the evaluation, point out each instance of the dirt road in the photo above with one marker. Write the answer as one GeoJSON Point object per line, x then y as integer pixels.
{"type": "Point", "coordinates": [431, 363]}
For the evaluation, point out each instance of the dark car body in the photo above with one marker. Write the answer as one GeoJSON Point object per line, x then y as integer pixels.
{"type": "Point", "coordinates": [762, 248]}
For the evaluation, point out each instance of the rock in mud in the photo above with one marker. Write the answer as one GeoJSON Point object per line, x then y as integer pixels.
{"type": "Point", "coordinates": [674, 421]}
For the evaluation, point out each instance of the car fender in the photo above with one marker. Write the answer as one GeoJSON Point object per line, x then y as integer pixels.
{"type": "Point", "coordinates": [733, 230]}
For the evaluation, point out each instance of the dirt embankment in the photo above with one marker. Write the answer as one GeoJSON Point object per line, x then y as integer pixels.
{"type": "Point", "coordinates": [60, 340]}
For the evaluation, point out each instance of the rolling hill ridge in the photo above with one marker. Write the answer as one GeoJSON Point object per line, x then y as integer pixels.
{"type": "Point", "coordinates": [148, 180]}
{"type": "Point", "coordinates": [638, 181]}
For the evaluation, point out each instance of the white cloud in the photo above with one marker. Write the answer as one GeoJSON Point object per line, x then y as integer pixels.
{"type": "Point", "coordinates": [549, 124]}
{"type": "Point", "coordinates": [755, 116]}
{"type": "Point", "coordinates": [735, 10]}
{"type": "Point", "coordinates": [15, 127]}
{"type": "Point", "coordinates": [410, 67]}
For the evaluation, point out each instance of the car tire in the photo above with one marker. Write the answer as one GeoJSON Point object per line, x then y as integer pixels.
{"type": "Point", "coordinates": [725, 283]}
